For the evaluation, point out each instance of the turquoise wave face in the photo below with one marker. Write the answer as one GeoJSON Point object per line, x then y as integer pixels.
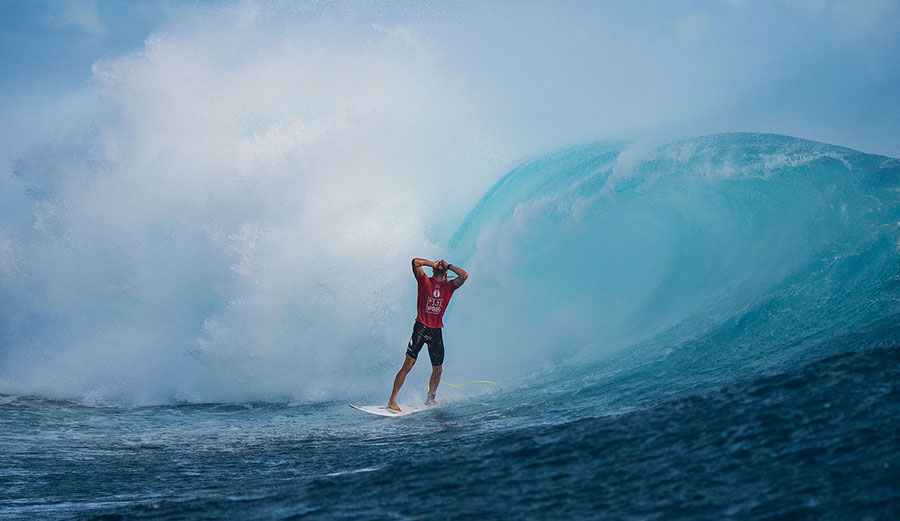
{"type": "Point", "coordinates": [727, 251]}
{"type": "Point", "coordinates": [713, 255]}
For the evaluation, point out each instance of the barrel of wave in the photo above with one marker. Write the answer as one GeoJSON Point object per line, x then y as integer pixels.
{"type": "Point", "coordinates": [593, 248]}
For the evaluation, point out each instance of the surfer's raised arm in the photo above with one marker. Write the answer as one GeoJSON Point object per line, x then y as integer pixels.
{"type": "Point", "coordinates": [461, 275]}
{"type": "Point", "coordinates": [417, 264]}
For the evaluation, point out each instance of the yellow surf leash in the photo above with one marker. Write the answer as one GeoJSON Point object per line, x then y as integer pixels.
{"type": "Point", "coordinates": [468, 383]}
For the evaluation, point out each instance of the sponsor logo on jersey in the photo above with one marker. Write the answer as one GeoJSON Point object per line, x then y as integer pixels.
{"type": "Point", "coordinates": [434, 305]}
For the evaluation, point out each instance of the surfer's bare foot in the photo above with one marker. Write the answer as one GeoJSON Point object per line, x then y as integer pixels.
{"type": "Point", "coordinates": [430, 402]}
{"type": "Point", "coordinates": [394, 407]}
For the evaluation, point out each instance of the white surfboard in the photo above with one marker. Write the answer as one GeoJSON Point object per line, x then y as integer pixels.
{"type": "Point", "coordinates": [382, 410]}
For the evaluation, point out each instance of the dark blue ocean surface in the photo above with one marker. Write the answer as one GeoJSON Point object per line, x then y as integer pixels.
{"type": "Point", "coordinates": [820, 442]}
{"type": "Point", "coordinates": [705, 330]}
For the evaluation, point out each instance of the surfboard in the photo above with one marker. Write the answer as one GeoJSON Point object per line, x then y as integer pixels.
{"type": "Point", "coordinates": [382, 410]}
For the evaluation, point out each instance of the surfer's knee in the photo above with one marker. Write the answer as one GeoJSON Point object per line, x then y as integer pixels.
{"type": "Point", "coordinates": [408, 363]}
{"type": "Point", "coordinates": [437, 369]}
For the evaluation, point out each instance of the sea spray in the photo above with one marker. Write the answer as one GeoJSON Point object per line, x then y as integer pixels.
{"type": "Point", "coordinates": [236, 220]}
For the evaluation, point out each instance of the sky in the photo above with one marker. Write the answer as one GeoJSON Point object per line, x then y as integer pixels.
{"type": "Point", "coordinates": [819, 69]}
{"type": "Point", "coordinates": [47, 49]}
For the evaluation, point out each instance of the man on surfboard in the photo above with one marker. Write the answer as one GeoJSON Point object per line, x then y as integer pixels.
{"type": "Point", "coordinates": [434, 295]}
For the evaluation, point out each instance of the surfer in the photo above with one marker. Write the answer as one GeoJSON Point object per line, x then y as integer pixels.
{"type": "Point", "coordinates": [434, 295]}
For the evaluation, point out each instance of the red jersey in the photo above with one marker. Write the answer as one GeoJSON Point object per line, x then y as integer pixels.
{"type": "Point", "coordinates": [433, 299]}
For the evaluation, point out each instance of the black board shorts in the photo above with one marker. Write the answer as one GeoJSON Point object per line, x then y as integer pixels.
{"type": "Point", "coordinates": [422, 335]}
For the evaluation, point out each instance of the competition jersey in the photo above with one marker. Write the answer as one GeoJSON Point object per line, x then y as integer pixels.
{"type": "Point", "coordinates": [433, 299]}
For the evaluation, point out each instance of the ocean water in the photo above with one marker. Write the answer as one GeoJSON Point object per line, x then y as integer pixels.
{"type": "Point", "coordinates": [706, 329]}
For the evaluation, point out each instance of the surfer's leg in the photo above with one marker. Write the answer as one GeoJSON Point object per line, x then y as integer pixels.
{"type": "Point", "coordinates": [416, 341]}
{"type": "Point", "coordinates": [436, 353]}
{"type": "Point", "coordinates": [433, 383]}
{"type": "Point", "coordinates": [398, 381]}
